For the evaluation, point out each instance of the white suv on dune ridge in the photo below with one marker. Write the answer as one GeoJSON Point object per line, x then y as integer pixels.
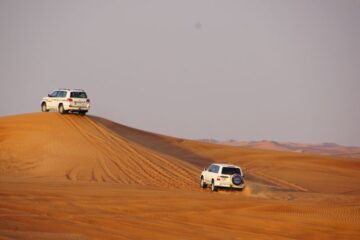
{"type": "Point", "coordinates": [222, 175]}
{"type": "Point", "coordinates": [66, 100]}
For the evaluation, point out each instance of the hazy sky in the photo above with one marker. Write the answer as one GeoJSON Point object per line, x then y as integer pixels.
{"type": "Point", "coordinates": [251, 70]}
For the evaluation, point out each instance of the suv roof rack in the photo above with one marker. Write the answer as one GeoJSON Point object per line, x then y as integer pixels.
{"type": "Point", "coordinates": [64, 89]}
{"type": "Point", "coordinates": [77, 89]}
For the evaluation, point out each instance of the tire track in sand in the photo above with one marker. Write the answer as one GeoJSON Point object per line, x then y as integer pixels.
{"type": "Point", "coordinates": [102, 156]}
{"type": "Point", "coordinates": [126, 162]}
{"type": "Point", "coordinates": [156, 166]}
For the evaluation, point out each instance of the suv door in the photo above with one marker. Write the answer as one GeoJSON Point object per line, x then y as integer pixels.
{"type": "Point", "coordinates": [207, 174]}
{"type": "Point", "coordinates": [214, 171]}
{"type": "Point", "coordinates": [57, 99]}
{"type": "Point", "coordinates": [61, 97]}
{"type": "Point", "coordinates": [211, 173]}
{"type": "Point", "coordinates": [50, 101]}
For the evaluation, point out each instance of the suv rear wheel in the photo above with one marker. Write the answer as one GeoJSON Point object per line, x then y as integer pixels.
{"type": "Point", "coordinates": [213, 187]}
{"type": "Point", "coordinates": [61, 109]}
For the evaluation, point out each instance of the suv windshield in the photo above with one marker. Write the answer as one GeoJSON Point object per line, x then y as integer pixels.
{"type": "Point", "coordinates": [230, 170]}
{"type": "Point", "coordinates": [78, 95]}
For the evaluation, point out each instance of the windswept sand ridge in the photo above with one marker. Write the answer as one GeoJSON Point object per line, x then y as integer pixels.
{"type": "Point", "coordinates": [76, 148]}
{"type": "Point", "coordinates": [186, 150]}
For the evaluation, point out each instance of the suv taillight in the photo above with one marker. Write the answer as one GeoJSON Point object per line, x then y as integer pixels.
{"type": "Point", "coordinates": [70, 99]}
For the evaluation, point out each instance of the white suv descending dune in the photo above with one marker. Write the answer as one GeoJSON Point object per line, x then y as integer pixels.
{"type": "Point", "coordinates": [222, 175]}
{"type": "Point", "coordinates": [66, 100]}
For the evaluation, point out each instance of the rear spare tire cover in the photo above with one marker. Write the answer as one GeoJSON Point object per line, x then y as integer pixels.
{"type": "Point", "coordinates": [237, 179]}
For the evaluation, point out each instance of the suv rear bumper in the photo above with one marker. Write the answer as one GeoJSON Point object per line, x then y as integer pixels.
{"type": "Point", "coordinates": [70, 107]}
{"type": "Point", "coordinates": [226, 185]}
{"type": "Point", "coordinates": [78, 108]}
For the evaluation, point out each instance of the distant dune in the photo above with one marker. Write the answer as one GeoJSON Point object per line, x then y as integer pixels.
{"type": "Point", "coordinates": [74, 177]}
{"type": "Point", "coordinates": [324, 148]}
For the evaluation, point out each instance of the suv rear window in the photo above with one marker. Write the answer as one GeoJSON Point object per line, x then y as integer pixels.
{"type": "Point", "coordinates": [78, 95]}
{"type": "Point", "coordinates": [230, 170]}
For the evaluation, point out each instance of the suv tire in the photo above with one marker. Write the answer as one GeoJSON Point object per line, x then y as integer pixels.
{"type": "Point", "coordinates": [61, 109]}
{"type": "Point", "coordinates": [236, 179]}
{"type": "Point", "coordinates": [213, 187]}
{"type": "Point", "coordinates": [43, 107]}
{"type": "Point", "coordinates": [202, 183]}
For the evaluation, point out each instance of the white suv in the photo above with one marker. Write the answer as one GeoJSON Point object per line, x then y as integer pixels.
{"type": "Point", "coordinates": [66, 100]}
{"type": "Point", "coordinates": [222, 175]}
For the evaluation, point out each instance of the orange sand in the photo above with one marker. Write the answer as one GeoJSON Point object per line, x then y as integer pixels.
{"type": "Point", "coordinates": [74, 177]}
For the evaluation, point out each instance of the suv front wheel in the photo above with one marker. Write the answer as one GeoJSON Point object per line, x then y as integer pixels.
{"type": "Point", "coordinates": [43, 107]}
{"type": "Point", "coordinates": [202, 183]}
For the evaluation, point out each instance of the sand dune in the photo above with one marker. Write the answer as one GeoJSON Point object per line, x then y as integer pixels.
{"type": "Point", "coordinates": [323, 149]}
{"type": "Point", "coordinates": [74, 177]}
{"type": "Point", "coordinates": [75, 148]}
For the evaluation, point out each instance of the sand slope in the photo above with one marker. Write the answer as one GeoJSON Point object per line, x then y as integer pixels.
{"type": "Point", "coordinates": [73, 177]}
{"type": "Point", "coordinates": [72, 147]}
{"type": "Point", "coordinates": [287, 171]}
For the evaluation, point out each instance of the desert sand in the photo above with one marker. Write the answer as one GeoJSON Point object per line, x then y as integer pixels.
{"type": "Point", "coordinates": [74, 177]}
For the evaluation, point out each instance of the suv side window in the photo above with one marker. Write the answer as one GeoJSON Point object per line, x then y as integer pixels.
{"type": "Point", "coordinates": [62, 94]}
{"type": "Point", "coordinates": [53, 94]}
{"type": "Point", "coordinates": [58, 94]}
{"type": "Point", "coordinates": [214, 168]}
